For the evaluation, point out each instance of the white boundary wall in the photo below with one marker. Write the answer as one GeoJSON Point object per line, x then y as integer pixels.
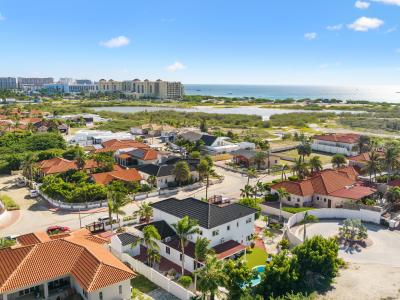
{"type": "Point", "coordinates": [331, 213]}
{"type": "Point", "coordinates": [156, 277]}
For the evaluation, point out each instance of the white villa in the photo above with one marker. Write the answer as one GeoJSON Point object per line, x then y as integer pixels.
{"type": "Point", "coordinates": [228, 227]}
{"type": "Point", "coordinates": [336, 143]}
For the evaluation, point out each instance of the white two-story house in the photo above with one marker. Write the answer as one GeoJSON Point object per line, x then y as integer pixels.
{"type": "Point", "coordinates": [228, 227]}
{"type": "Point", "coordinates": [336, 143]}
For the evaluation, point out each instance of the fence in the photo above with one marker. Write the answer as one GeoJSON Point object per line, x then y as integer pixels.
{"type": "Point", "coordinates": [365, 215]}
{"type": "Point", "coordinates": [156, 277]}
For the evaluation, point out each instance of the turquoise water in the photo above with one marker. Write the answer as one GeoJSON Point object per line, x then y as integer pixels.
{"type": "Point", "coordinates": [257, 280]}
{"type": "Point", "coordinates": [370, 93]}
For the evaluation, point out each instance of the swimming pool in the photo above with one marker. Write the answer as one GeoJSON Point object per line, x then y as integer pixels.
{"type": "Point", "coordinates": [256, 281]}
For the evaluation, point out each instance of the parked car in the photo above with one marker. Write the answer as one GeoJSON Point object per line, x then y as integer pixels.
{"type": "Point", "coordinates": [33, 193]}
{"type": "Point", "coordinates": [21, 182]}
{"type": "Point", "coordinates": [57, 229]}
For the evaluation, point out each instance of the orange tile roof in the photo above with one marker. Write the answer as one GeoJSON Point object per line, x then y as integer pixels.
{"type": "Point", "coordinates": [127, 175]}
{"type": "Point", "coordinates": [144, 154]}
{"type": "Point", "coordinates": [325, 182]}
{"type": "Point", "coordinates": [349, 138]}
{"type": "Point", "coordinates": [114, 145]}
{"type": "Point", "coordinates": [90, 263]}
{"type": "Point", "coordinates": [60, 165]}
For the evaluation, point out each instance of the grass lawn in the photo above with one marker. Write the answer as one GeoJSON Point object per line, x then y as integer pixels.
{"type": "Point", "coordinates": [256, 257]}
{"type": "Point", "coordinates": [143, 284]}
{"type": "Point", "coordinates": [295, 210]}
{"type": "Point", "coordinates": [325, 159]}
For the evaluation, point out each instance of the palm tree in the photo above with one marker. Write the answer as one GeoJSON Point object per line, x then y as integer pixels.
{"type": "Point", "coordinates": [373, 164]}
{"type": "Point", "coordinates": [211, 276]}
{"type": "Point", "coordinates": [152, 180]}
{"type": "Point", "coordinates": [145, 211]}
{"type": "Point", "coordinates": [307, 219]}
{"type": "Point", "coordinates": [153, 256]}
{"type": "Point", "coordinates": [115, 201]}
{"type": "Point", "coordinates": [247, 191]}
{"type": "Point", "coordinates": [81, 160]}
{"type": "Point", "coordinates": [283, 169]}
{"type": "Point", "coordinates": [200, 252]}
{"type": "Point", "coordinates": [282, 194]}
{"type": "Point", "coordinates": [251, 172]}
{"type": "Point", "coordinates": [259, 158]}
{"type": "Point", "coordinates": [205, 169]}
{"type": "Point", "coordinates": [182, 172]}
{"type": "Point", "coordinates": [364, 144]}
{"type": "Point", "coordinates": [300, 168]}
{"type": "Point", "coordinates": [185, 228]}
{"type": "Point", "coordinates": [28, 166]}
{"type": "Point", "coordinates": [304, 149]}
{"type": "Point", "coordinates": [393, 196]}
{"type": "Point", "coordinates": [315, 164]}
{"type": "Point", "coordinates": [390, 160]}
{"type": "Point", "coordinates": [338, 161]}
{"type": "Point", "coordinates": [150, 238]}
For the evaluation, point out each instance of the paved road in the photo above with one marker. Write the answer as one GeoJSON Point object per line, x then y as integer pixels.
{"type": "Point", "coordinates": [36, 215]}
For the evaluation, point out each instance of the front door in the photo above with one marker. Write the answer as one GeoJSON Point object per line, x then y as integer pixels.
{"type": "Point", "coordinates": [329, 203]}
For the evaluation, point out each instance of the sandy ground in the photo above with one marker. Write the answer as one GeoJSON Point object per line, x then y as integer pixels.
{"type": "Point", "coordinates": [366, 282]}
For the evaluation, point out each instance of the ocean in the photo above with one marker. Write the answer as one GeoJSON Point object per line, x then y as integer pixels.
{"type": "Point", "coordinates": [370, 93]}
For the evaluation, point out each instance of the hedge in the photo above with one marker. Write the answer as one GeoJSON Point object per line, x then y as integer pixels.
{"type": "Point", "coordinates": [9, 203]}
{"type": "Point", "coordinates": [295, 210]}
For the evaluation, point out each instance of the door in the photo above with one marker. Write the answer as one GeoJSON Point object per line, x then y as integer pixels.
{"type": "Point", "coordinates": [329, 203]}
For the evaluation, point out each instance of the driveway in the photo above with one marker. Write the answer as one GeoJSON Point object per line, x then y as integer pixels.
{"type": "Point", "coordinates": [384, 249]}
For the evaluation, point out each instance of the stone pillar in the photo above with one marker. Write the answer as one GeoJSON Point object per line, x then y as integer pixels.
{"type": "Point", "coordinates": [46, 290]}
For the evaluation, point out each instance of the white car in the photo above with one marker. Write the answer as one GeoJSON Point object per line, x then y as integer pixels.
{"type": "Point", "coordinates": [33, 193]}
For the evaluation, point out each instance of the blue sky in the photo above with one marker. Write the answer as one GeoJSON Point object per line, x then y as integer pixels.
{"type": "Point", "coordinates": [321, 42]}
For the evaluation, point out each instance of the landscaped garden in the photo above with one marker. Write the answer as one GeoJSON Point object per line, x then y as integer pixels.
{"type": "Point", "coordinates": [325, 159]}
{"type": "Point", "coordinates": [255, 257]}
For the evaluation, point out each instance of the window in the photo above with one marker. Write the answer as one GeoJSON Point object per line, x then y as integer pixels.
{"type": "Point", "coordinates": [298, 199]}
{"type": "Point", "coordinates": [228, 227]}
{"type": "Point", "coordinates": [289, 199]}
{"type": "Point", "coordinates": [248, 220]}
{"type": "Point", "coordinates": [180, 257]}
{"type": "Point", "coordinates": [168, 250]}
{"type": "Point", "coordinates": [317, 198]}
{"type": "Point", "coordinates": [324, 199]}
{"type": "Point", "coordinates": [237, 224]}
{"type": "Point", "coordinates": [101, 295]}
{"type": "Point", "coordinates": [215, 233]}
{"type": "Point", "coordinates": [120, 289]}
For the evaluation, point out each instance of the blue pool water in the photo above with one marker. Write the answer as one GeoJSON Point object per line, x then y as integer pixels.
{"type": "Point", "coordinates": [256, 281]}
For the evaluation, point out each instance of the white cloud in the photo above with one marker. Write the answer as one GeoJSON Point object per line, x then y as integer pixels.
{"type": "Point", "coordinates": [365, 24]}
{"type": "Point", "coordinates": [116, 42]}
{"type": "Point", "coordinates": [362, 4]}
{"type": "Point", "coordinates": [389, 2]}
{"type": "Point", "coordinates": [391, 29]}
{"type": "Point", "coordinates": [310, 36]}
{"type": "Point", "coordinates": [335, 27]}
{"type": "Point", "coordinates": [2, 18]}
{"type": "Point", "coordinates": [176, 66]}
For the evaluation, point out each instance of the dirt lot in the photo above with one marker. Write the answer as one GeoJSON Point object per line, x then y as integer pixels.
{"type": "Point", "coordinates": [366, 282]}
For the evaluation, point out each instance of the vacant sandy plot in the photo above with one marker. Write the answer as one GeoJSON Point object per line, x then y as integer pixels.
{"type": "Point", "coordinates": [366, 282]}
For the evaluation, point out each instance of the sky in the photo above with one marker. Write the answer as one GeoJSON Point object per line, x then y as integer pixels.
{"type": "Point", "coordinates": [310, 42]}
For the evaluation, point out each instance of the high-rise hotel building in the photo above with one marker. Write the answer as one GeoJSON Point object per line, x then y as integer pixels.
{"type": "Point", "coordinates": [8, 83]}
{"type": "Point", "coordinates": [152, 89]}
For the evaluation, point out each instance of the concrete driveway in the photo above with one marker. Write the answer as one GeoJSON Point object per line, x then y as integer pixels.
{"type": "Point", "coordinates": [384, 250]}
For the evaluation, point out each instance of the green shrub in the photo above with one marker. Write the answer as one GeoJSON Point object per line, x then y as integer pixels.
{"type": "Point", "coordinates": [9, 203]}
{"type": "Point", "coordinates": [284, 244]}
{"type": "Point", "coordinates": [293, 178]}
{"type": "Point", "coordinates": [185, 281]}
{"type": "Point", "coordinates": [295, 210]}
{"type": "Point", "coordinates": [271, 197]}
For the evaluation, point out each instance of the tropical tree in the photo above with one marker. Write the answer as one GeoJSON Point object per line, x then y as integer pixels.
{"type": "Point", "coordinates": [363, 144]}
{"type": "Point", "coordinates": [211, 276]}
{"type": "Point", "coordinates": [391, 159]}
{"type": "Point", "coordinates": [145, 211]}
{"type": "Point", "coordinates": [300, 168]}
{"type": "Point", "coordinates": [373, 164]}
{"type": "Point", "coordinates": [393, 196]}
{"type": "Point", "coordinates": [353, 230]}
{"type": "Point", "coordinates": [203, 125]}
{"type": "Point", "coordinates": [28, 166]}
{"type": "Point", "coordinates": [153, 256]}
{"type": "Point", "coordinates": [252, 203]}
{"type": "Point", "coordinates": [201, 249]}
{"type": "Point", "coordinates": [284, 168]}
{"type": "Point", "coordinates": [152, 180]}
{"type": "Point", "coordinates": [307, 219]}
{"type": "Point", "coordinates": [304, 149]}
{"type": "Point", "coordinates": [115, 200]}
{"type": "Point", "coordinates": [247, 191]}
{"type": "Point", "coordinates": [150, 238]}
{"type": "Point", "coordinates": [185, 228]}
{"type": "Point", "coordinates": [205, 170]}
{"type": "Point", "coordinates": [182, 172]}
{"type": "Point", "coordinates": [315, 164]}
{"type": "Point", "coordinates": [251, 173]}
{"type": "Point", "coordinates": [282, 194]}
{"type": "Point", "coordinates": [81, 160]}
{"type": "Point", "coordinates": [259, 159]}
{"type": "Point", "coordinates": [338, 161]}
{"type": "Point", "coordinates": [238, 278]}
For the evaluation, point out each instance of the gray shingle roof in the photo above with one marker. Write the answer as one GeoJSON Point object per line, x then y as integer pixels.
{"type": "Point", "coordinates": [208, 215]}
{"type": "Point", "coordinates": [127, 238]}
{"type": "Point", "coordinates": [208, 139]}
{"type": "Point", "coordinates": [162, 227]}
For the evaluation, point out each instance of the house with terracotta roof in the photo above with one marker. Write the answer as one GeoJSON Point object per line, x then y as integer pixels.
{"type": "Point", "coordinates": [137, 157]}
{"type": "Point", "coordinates": [328, 188]}
{"type": "Point", "coordinates": [228, 227]}
{"type": "Point", "coordinates": [74, 265]}
{"type": "Point", "coordinates": [115, 145]}
{"type": "Point", "coordinates": [336, 143]}
{"type": "Point", "coordinates": [125, 175]}
{"type": "Point", "coordinates": [59, 165]}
